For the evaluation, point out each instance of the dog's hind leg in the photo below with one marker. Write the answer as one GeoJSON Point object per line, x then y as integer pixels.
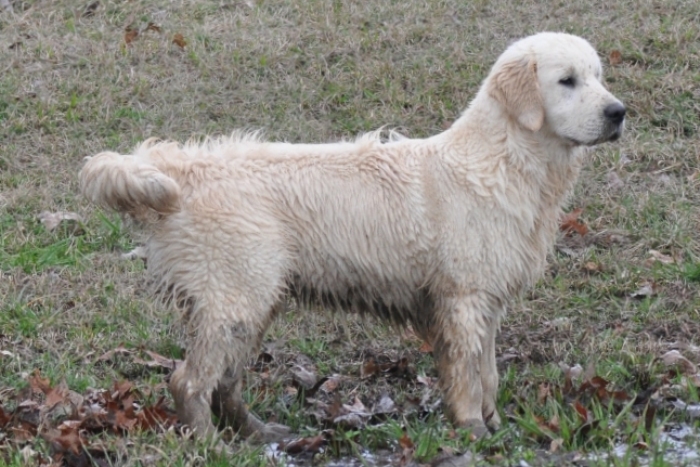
{"type": "Point", "coordinates": [228, 404]}
{"type": "Point", "coordinates": [224, 328]}
{"type": "Point", "coordinates": [460, 322]}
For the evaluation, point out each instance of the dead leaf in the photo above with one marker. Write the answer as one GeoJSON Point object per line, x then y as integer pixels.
{"type": "Point", "coordinates": [554, 423]}
{"type": "Point", "coordinates": [555, 445]}
{"type": "Point", "coordinates": [543, 393]}
{"type": "Point", "coordinates": [312, 444]}
{"type": "Point", "coordinates": [592, 266]}
{"type": "Point", "coordinates": [152, 27]}
{"type": "Point", "coordinates": [590, 372]}
{"type": "Point", "coordinates": [66, 439]}
{"type": "Point", "coordinates": [330, 385]}
{"type": "Point", "coordinates": [109, 354]}
{"type": "Point", "coordinates": [673, 358]}
{"type": "Point", "coordinates": [39, 384]}
{"type": "Point", "coordinates": [641, 445]}
{"type": "Point", "coordinates": [130, 35]}
{"type": "Point", "coordinates": [4, 417]}
{"type": "Point", "coordinates": [426, 347]}
{"type": "Point", "coordinates": [385, 405]}
{"type": "Point", "coordinates": [56, 395]}
{"type": "Point", "coordinates": [156, 416]}
{"type": "Point", "coordinates": [158, 361]}
{"type": "Point", "coordinates": [425, 380]}
{"type": "Point", "coordinates": [660, 257]}
{"type": "Point", "coordinates": [582, 412]}
{"type": "Point", "coordinates": [647, 289]}
{"type": "Point", "coordinates": [51, 220]}
{"type": "Point", "coordinates": [615, 58]}
{"type": "Point", "coordinates": [369, 368]}
{"type": "Point", "coordinates": [179, 40]}
{"type": "Point", "coordinates": [570, 223]}
{"type": "Point", "coordinates": [407, 449]}
{"type": "Point", "coordinates": [305, 378]}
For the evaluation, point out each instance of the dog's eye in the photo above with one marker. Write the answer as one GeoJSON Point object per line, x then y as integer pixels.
{"type": "Point", "coordinates": [569, 82]}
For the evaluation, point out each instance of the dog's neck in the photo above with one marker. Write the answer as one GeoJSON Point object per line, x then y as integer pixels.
{"type": "Point", "coordinates": [531, 159]}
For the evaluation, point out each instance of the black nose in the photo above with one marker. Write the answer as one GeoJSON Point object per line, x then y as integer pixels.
{"type": "Point", "coordinates": [615, 113]}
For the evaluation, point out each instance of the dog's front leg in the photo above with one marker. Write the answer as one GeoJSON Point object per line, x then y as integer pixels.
{"type": "Point", "coordinates": [489, 375]}
{"type": "Point", "coordinates": [459, 326]}
{"type": "Point", "coordinates": [192, 396]}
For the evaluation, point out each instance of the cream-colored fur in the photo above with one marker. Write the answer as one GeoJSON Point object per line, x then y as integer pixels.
{"type": "Point", "coordinates": [438, 232]}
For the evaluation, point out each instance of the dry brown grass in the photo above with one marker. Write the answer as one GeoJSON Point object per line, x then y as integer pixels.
{"type": "Point", "coordinates": [317, 70]}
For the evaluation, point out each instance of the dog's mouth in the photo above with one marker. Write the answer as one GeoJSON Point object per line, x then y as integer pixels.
{"type": "Point", "coordinates": [611, 135]}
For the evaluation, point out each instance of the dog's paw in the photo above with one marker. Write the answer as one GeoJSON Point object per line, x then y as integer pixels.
{"type": "Point", "coordinates": [477, 428]}
{"type": "Point", "coordinates": [493, 421]}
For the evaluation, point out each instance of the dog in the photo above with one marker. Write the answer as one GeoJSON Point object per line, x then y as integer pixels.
{"type": "Point", "coordinates": [438, 233]}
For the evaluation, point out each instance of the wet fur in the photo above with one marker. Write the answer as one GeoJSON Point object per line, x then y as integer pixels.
{"type": "Point", "coordinates": [439, 233]}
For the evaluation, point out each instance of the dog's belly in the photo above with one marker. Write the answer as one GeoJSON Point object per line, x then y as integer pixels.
{"type": "Point", "coordinates": [396, 299]}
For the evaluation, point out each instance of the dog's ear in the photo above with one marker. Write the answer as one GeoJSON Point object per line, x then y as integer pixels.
{"type": "Point", "coordinates": [516, 87]}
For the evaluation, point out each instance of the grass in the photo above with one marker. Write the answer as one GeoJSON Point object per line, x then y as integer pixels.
{"type": "Point", "coordinates": [316, 70]}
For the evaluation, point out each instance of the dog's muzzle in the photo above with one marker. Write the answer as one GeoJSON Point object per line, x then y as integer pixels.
{"type": "Point", "coordinates": [615, 117]}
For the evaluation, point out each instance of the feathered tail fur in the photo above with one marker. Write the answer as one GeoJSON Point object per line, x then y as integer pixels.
{"type": "Point", "coordinates": [129, 184]}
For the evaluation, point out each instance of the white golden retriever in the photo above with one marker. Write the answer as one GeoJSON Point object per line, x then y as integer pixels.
{"type": "Point", "coordinates": [438, 232]}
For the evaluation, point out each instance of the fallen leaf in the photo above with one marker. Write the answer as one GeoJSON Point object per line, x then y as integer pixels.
{"type": "Point", "coordinates": [4, 417]}
{"type": "Point", "coordinates": [312, 444]}
{"type": "Point", "coordinates": [130, 35]}
{"type": "Point", "coordinates": [425, 380]}
{"type": "Point", "coordinates": [56, 395]}
{"type": "Point", "coordinates": [158, 361]}
{"type": "Point", "coordinates": [67, 439]}
{"type": "Point", "coordinates": [385, 405]}
{"type": "Point", "coordinates": [647, 289]}
{"type": "Point", "coordinates": [582, 412]}
{"type": "Point", "coordinates": [570, 223]}
{"type": "Point", "coordinates": [369, 368]}
{"type": "Point", "coordinates": [615, 58]}
{"type": "Point", "coordinates": [179, 40]}
{"type": "Point", "coordinates": [305, 378]}
{"type": "Point", "coordinates": [673, 358]}
{"type": "Point", "coordinates": [152, 27]}
{"type": "Point", "coordinates": [405, 442]}
{"type": "Point", "coordinates": [330, 385]}
{"type": "Point", "coordinates": [641, 445]}
{"type": "Point", "coordinates": [543, 393]}
{"type": "Point", "coordinates": [660, 257]}
{"type": "Point", "coordinates": [156, 416]}
{"type": "Point", "coordinates": [555, 445]}
{"type": "Point", "coordinates": [109, 354]}
{"type": "Point", "coordinates": [39, 384]}
{"type": "Point", "coordinates": [554, 424]}
{"type": "Point", "coordinates": [592, 266]}
{"type": "Point", "coordinates": [407, 449]}
{"type": "Point", "coordinates": [51, 220]}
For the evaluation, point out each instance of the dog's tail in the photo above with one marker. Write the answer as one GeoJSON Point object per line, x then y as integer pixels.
{"type": "Point", "coordinates": [129, 184]}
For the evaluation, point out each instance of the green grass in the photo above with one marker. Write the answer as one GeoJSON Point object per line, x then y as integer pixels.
{"type": "Point", "coordinates": [315, 70]}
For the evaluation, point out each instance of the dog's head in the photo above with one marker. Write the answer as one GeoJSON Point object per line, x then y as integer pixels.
{"type": "Point", "coordinates": [554, 80]}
